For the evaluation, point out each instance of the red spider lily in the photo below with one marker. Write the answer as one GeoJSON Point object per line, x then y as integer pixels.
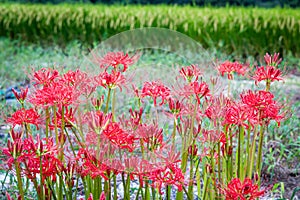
{"type": "Point", "coordinates": [41, 153]}
{"type": "Point", "coordinates": [190, 73]}
{"type": "Point", "coordinates": [246, 190]}
{"type": "Point", "coordinates": [200, 90]}
{"type": "Point", "coordinates": [262, 101]}
{"type": "Point", "coordinates": [259, 99]}
{"type": "Point", "coordinates": [268, 73]}
{"type": "Point", "coordinates": [55, 94]}
{"type": "Point", "coordinates": [23, 116]}
{"type": "Point", "coordinates": [151, 134]}
{"type": "Point", "coordinates": [272, 113]}
{"type": "Point", "coordinates": [22, 95]}
{"type": "Point", "coordinates": [68, 118]}
{"type": "Point", "coordinates": [115, 59]}
{"type": "Point", "coordinates": [136, 91]}
{"type": "Point", "coordinates": [239, 114]}
{"type": "Point", "coordinates": [170, 175]}
{"type": "Point", "coordinates": [155, 90]}
{"type": "Point", "coordinates": [272, 60]}
{"type": "Point", "coordinates": [210, 136]}
{"type": "Point", "coordinates": [193, 150]}
{"type": "Point", "coordinates": [45, 76]}
{"type": "Point", "coordinates": [119, 137]}
{"type": "Point", "coordinates": [111, 81]}
{"type": "Point", "coordinates": [175, 107]}
{"type": "Point", "coordinates": [136, 116]}
{"type": "Point", "coordinates": [97, 120]}
{"type": "Point", "coordinates": [69, 172]}
{"type": "Point", "coordinates": [74, 78]}
{"type": "Point", "coordinates": [95, 167]}
{"type": "Point", "coordinates": [97, 103]}
{"type": "Point", "coordinates": [13, 152]}
{"type": "Point", "coordinates": [216, 108]}
{"type": "Point", "coordinates": [102, 197]}
{"type": "Point", "coordinates": [230, 67]}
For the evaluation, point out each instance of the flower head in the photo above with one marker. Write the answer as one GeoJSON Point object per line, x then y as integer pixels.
{"type": "Point", "coordinates": [155, 90]}
{"type": "Point", "coordinates": [45, 76]}
{"type": "Point", "coordinates": [113, 80]}
{"type": "Point", "coordinates": [246, 190]}
{"type": "Point", "coordinates": [272, 60]}
{"type": "Point", "coordinates": [22, 95]}
{"type": "Point", "coordinates": [115, 59]}
{"type": "Point", "coordinates": [190, 73]}
{"type": "Point", "coordinates": [200, 89]}
{"type": "Point", "coordinates": [23, 116]}
{"type": "Point", "coordinates": [119, 137]}
{"type": "Point", "coordinates": [169, 175]}
{"type": "Point", "coordinates": [230, 67]}
{"type": "Point", "coordinates": [268, 73]}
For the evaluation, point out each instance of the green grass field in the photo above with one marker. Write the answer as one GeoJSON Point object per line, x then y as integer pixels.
{"type": "Point", "coordinates": [233, 30]}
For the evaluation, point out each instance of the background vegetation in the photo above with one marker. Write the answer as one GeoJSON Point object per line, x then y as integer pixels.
{"type": "Point", "coordinates": [260, 3]}
{"type": "Point", "coordinates": [233, 30]}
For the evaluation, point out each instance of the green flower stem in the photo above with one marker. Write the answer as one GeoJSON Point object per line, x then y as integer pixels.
{"type": "Point", "coordinates": [19, 179]}
{"type": "Point", "coordinates": [219, 164]}
{"type": "Point", "coordinates": [187, 194]}
{"type": "Point", "coordinates": [247, 159]}
{"type": "Point", "coordinates": [55, 124]}
{"type": "Point", "coordinates": [252, 154]}
{"type": "Point", "coordinates": [174, 133]}
{"type": "Point", "coordinates": [115, 187]}
{"type": "Point", "coordinates": [168, 193]}
{"type": "Point", "coordinates": [212, 163]}
{"type": "Point", "coordinates": [259, 156]}
{"type": "Point", "coordinates": [191, 184]}
{"type": "Point", "coordinates": [47, 121]}
{"type": "Point", "coordinates": [147, 192]}
{"type": "Point", "coordinates": [240, 166]}
{"type": "Point", "coordinates": [107, 100]}
{"type": "Point", "coordinates": [42, 181]}
{"type": "Point", "coordinates": [113, 105]}
{"type": "Point", "coordinates": [205, 186]}
{"type": "Point", "coordinates": [128, 187]}
{"type": "Point", "coordinates": [268, 85]}
{"type": "Point", "coordinates": [198, 179]}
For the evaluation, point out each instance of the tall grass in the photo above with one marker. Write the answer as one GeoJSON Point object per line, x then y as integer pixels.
{"type": "Point", "coordinates": [243, 31]}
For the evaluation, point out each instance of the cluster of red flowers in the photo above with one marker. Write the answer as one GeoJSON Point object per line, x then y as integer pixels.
{"type": "Point", "coordinates": [56, 97]}
{"type": "Point", "coordinates": [230, 67]}
{"type": "Point", "coordinates": [246, 190]}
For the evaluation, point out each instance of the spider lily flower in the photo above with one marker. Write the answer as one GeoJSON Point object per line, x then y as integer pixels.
{"type": "Point", "coordinates": [13, 152]}
{"type": "Point", "coordinates": [97, 120]}
{"type": "Point", "coordinates": [111, 81]}
{"type": "Point", "coordinates": [156, 90]}
{"type": "Point", "coordinates": [264, 106]}
{"type": "Point", "coordinates": [68, 118]}
{"type": "Point", "coordinates": [230, 67]}
{"type": "Point", "coordinates": [22, 116]}
{"type": "Point", "coordinates": [170, 175]}
{"type": "Point", "coordinates": [45, 76]}
{"type": "Point", "coordinates": [272, 60]}
{"type": "Point", "coordinates": [119, 137]}
{"type": "Point", "coordinates": [116, 59]}
{"type": "Point", "coordinates": [238, 190]}
{"type": "Point", "coordinates": [190, 73]}
{"type": "Point", "coordinates": [41, 152]}
{"type": "Point", "coordinates": [239, 114]}
{"type": "Point", "coordinates": [267, 73]}
{"type": "Point", "coordinates": [22, 95]}
{"type": "Point", "coordinates": [200, 90]}
{"type": "Point", "coordinates": [55, 94]}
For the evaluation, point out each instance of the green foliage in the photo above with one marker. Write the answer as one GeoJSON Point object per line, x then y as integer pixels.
{"type": "Point", "coordinates": [241, 31]}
